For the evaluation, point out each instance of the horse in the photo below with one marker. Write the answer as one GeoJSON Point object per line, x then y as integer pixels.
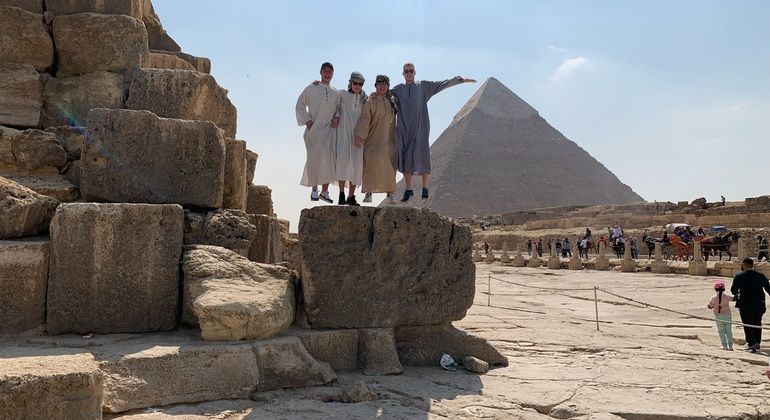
{"type": "Point", "coordinates": [649, 240]}
{"type": "Point", "coordinates": [720, 243]}
{"type": "Point", "coordinates": [619, 246]}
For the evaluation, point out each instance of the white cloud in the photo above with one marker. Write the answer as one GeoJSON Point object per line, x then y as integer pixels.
{"type": "Point", "coordinates": [557, 49]}
{"type": "Point", "coordinates": [571, 66]}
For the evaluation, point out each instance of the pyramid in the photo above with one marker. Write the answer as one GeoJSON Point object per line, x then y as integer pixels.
{"type": "Point", "coordinates": [499, 155]}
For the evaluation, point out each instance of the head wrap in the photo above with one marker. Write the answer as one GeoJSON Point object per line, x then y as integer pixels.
{"type": "Point", "coordinates": [356, 77]}
{"type": "Point", "coordinates": [381, 78]}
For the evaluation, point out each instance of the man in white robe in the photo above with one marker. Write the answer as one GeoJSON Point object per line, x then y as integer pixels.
{"type": "Point", "coordinates": [318, 110]}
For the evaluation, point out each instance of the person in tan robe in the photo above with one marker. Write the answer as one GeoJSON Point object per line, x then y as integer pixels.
{"type": "Point", "coordinates": [376, 133]}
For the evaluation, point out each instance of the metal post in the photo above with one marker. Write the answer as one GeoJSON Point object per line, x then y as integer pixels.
{"type": "Point", "coordinates": [596, 308]}
{"type": "Point", "coordinates": [489, 290]}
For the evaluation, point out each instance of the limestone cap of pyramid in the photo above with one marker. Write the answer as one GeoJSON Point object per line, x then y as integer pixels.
{"type": "Point", "coordinates": [496, 100]}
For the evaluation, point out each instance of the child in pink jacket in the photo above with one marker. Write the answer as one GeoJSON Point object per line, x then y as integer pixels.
{"type": "Point", "coordinates": [720, 303]}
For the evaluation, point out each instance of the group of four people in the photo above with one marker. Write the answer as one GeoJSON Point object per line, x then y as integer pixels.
{"type": "Point", "coordinates": [361, 141]}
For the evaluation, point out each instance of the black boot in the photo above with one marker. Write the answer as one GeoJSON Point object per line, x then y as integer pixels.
{"type": "Point", "coordinates": [341, 201]}
{"type": "Point", "coordinates": [351, 201]}
{"type": "Point", "coordinates": [407, 195]}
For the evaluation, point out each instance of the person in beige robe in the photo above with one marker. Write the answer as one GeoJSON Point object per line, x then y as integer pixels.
{"type": "Point", "coordinates": [376, 133]}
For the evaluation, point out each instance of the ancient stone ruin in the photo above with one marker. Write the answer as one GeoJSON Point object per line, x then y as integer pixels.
{"type": "Point", "coordinates": [139, 264]}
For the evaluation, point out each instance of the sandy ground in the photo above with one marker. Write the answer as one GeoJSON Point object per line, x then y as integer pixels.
{"type": "Point", "coordinates": [642, 364]}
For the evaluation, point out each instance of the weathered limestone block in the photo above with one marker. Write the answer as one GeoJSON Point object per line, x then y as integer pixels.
{"type": "Point", "coordinates": [259, 200]}
{"type": "Point", "coordinates": [628, 265]}
{"type": "Point", "coordinates": [134, 156]}
{"type": "Point", "coordinates": [157, 37]}
{"type": "Point", "coordinates": [52, 185]}
{"type": "Point", "coordinates": [390, 266]}
{"type": "Point", "coordinates": [133, 8]}
{"type": "Point", "coordinates": [232, 298]}
{"type": "Point", "coordinates": [30, 151]}
{"type": "Point", "coordinates": [24, 38]}
{"type": "Point", "coordinates": [67, 101]}
{"type": "Point", "coordinates": [424, 345]}
{"type": "Point", "coordinates": [251, 166]}
{"type": "Point", "coordinates": [659, 265]}
{"type": "Point", "coordinates": [602, 262]}
{"type": "Point", "coordinates": [34, 6]}
{"type": "Point", "coordinates": [72, 173]}
{"type": "Point", "coordinates": [183, 94]}
{"type": "Point", "coordinates": [89, 42]}
{"type": "Point", "coordinates": [227, 228]}
{"type": "Point", "coordinates": [23, 212]}
{"type": "Point", "coordinates": [697, 266]}
{"type": "Point", "coordinates": [285, 363]}
{"type": "Point", "coordinates": [114, 268]}
{"type": "Point", "coordinates": [377, 353]}
{"type": "Point", "coordinates": [473, 364]}
{"type": "Point", "coordinates": [138, 376]}
{"type": "Point", "coordinates": [267, 246]}
{"type": "Point", "coordinates": [72, 138]}
{"type": "Point", "coordinates": [534, 260]}
{"type": "Point", "coordinates": [234, 195]}
{"type": "Point", "coordinates": [23, 277]}
{"type": "Point", "coordinates": [49, 387]}
{"type": "Point", "coordinates": [21, 95]}
{"type": "Point", "coordinates": [200, 64]}
{"type": "Point", "coordinates": [339, 348]}
{"type": "Point", "coordinates": [166, 61]}
{"type": "Point", "coordinates": [518, 259]}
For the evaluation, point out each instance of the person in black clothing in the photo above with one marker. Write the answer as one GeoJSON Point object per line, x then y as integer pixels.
{"type": "Point", "coordinates": [748, 288]}
{"type": "Point", "coordinates": [762, 249]}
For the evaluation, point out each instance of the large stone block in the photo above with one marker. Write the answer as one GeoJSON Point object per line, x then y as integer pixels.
{"type": "Point", "coordinates": [34, 6]}
{"type": "Point", "coordinates": [52, 185]}
{"type": "Point", "coordinates": [227, 228]}
{"type": "Point", "coordinates": [201, 64]}
{"type": "Point", "coordinates": [49, 386]}
{"type": "Point", "coordinates": [89, 42]}
{"type": "Point", "coordinates": [140, 376]}
{"type": "Point", "coordinates": [30, 151]}
{"type": "Point", "coordinates": [285, 363]}
{"type": "Point", "coordinates": [338, 348]}
{"type": "Point", "coordinates": [21, 95]}
{"type": "Point", "coordinates": [183, 94]}
{"type": "Point", "coordinates": [235, 193]}
{"type": "Point", "coordinates": [134, 156]}
{"type": "Point", "coordinates": [424, 345]}
{"type": "Point", "coordinates": [157, 37]}
{"type": "Point", "coordinates": [232, 298]}
{"type": "Point", "coordinates": [67, 101]}
{"type": "Point", "coordinates": [133, 8]}
{"type": "Point", "coordinates": [24, 38]}
{"type": "Point", "coordinates": [23, 277]}
{"type": "Point", "coordinates": [23, 212]}
{"type": "Point", "coordinates": [251, 165]}
{"type": "Point", "coordinates": [72, 138]}
{"type": "Point", "coordinates": [168, 61]}
{"type": "Point", "coordinates": [377, 353]}
{"type": "Point", "coordinates": [390, 266]}
{"type": "Point", "coordinates": [259, 200]}
{"type": "Point", "coordinates": [266, 247]}
{"type": "Point", "coordinates": [114, 268]}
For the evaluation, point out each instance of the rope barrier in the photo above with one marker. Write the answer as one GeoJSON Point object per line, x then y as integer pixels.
{"type": "Point", "coordinates": [582, 289]}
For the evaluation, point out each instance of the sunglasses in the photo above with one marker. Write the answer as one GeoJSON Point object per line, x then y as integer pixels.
{"type": "Point", "coordinates": [356, 83]}
{"type": "Point", "coordinates": [408, 71]}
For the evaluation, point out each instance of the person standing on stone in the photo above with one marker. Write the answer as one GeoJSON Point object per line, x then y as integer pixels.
{"type": "Point", "coordinates": [749, 288]}
{"type": "Point", "coordinates": [720, 303]}
{"type": "Point", "coordinates": [350, 160]}
{"type": "Point", "coordinates": [318, 110]}
{"type": "Point", "coordinates": [412, 148]}
{"type": "Point", "coordinates": [376, 133]}
{"type": "Point", "coordinates": [763, 249]}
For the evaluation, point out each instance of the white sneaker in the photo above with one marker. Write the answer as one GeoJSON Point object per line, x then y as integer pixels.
{"type": "Point", "coordinates": [390, 200]}
{"type": "Point", "coordinates": [368, 198]}
{"type": "Point", "coordinates": [314, 195]}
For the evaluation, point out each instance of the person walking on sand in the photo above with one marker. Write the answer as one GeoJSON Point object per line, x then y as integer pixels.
{"type": "Point", "coordinates": [720, 303]}
{"type": "Point", "coordinates": [749, 288]}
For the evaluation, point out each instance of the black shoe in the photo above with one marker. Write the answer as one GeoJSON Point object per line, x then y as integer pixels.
{"type": "Point", "coordinates": [407, 195]}
{"type": "Point", "coordinates": [351, 201]}
{"type": "Point", "coordinates": [341, 201]}
{"type": "Point", "coordinates": [425, 192]}
{"type": "Point", "coordinates": [324, 196]}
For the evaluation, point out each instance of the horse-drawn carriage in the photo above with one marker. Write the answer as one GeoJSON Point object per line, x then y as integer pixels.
{"type": "Point", "coordinates": [717, 241]}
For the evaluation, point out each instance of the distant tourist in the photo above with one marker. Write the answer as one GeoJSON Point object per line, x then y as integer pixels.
{"type": "Point", "coordinates": [548, 245]}
{"type": "Point", "coordinates": [412, 148]}
{"type": "Point", "coordinates": [634, 248]}
{"type": "Point", "coordinates": [350, 160]}
{"type": "Point", "coordinates": [486, 248]}
{"type": "Point", "coordinates": [701, 233]}
{"type": "Point", "coordinates": [762, 249]}
{"type": "Point", "coordinates": [723, 199]}
{"type": "Point", "coordinates": [376, 133]}
{"type": "Point", "coordinates": [720, 303]}
{"type": "Point", "coordinates": [317, 109]}
{"type": "Point", "coordinates": [565, 248]}
{"type": "Point", "coordinates": [583, 245]}
{"type": "Point", "coordinates": [539, 247]}
{"type": "Point", "coordinates": [617, 232]}
{"type": "Point", "coordinates": [529, 247]}
{"type": "Point", "coordinates": [557, 245]}
{"type": "Point", "coordinates": [588, 233]}
{"type": "Point", "coordinates": [749, 288]}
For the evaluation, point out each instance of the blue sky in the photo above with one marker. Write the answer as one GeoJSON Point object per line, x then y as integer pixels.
{"type": "Point", "coordinates": [671, 96]}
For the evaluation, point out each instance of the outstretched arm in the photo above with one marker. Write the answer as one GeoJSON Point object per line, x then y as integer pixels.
{"type": "Point", "coordinates": [433, 88]}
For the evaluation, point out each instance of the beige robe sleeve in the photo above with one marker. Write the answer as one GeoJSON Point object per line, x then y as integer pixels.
{"type": "Point", "coordinates": [301, 108]}
{"type": "Point", "coordinates": [364, 122]}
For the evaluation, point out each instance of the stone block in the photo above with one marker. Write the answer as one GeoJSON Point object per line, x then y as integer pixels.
{"type": "Point", "coordinates": [89, 42]}
{"type": "Point", "coordinates": [114, 268]}
{"type": "Point", "coordinates": [134, 156]}
{"type": "Point", "coordinates": [231, 298]}
{"type": "Point", "coordinates": [157, 37]}
{"type": "Point", "coordinates": [23, 277]}
{"type": "Point", "coordinates": [227, 228]}
{"type": "Point", "coordinates": [49, 386]}
{"type": "Point", "coordinates": [251, 166]}
{"type": "Point", "coordinates": [473, 364]}
{"type": "Point", "coordinates": [234, 195]}
{"type": "Point", "coordinates": [72, 173]}
{"type": "Point", "coordinates": [71, 138]}
{"type": "Point", "coordinates": [55, 186]}
{"type": "Point", "coordinates": [377, 353]}
{"type": "Point", "coordinates": [30, 151]}
{"type": "Point", "coordinates": [24, 38]}
{"type": "Point", "coordinates": [34, 6]}
{"type": "Point", "coordinates": [285, 363]}
{"type": "Point", "coordinates": [267, 246]}
{"type": "Point", "coordinates": [391, 266]}
{"type": "Point", "coordinates": [554, 263]}
{"type": "Point", "coordinates": [182, 94]}
{"type": "Point", "coordinates": [23, 212]}
{"type": "Point", "coordinates": [338, 348]}
{"type": "Point", "coordinates": [260, 200]}
{"type": "Point", "coordinates": [68, 100]}
{"type": "Point", "coordinates": [424, 345]}
{"type": "Point", "coordinates": [173, 372]}
{"type": "Point", "coordinates": [534, 260]}
{"type": "Point", "coordinates": [162, 60]}
{"type": "Point", "coordinates": [200, 64]}
{"type": "Point", "coordinates": [21, 95]}
{"type": "Point", "coordinates": [133, 8]}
